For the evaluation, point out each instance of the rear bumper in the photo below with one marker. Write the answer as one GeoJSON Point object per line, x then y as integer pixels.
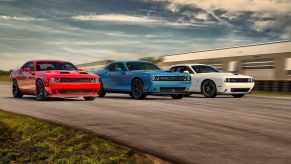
{"type": "Point", "coordinates": [235, 88]}
{"type": "Point", "coordinates": [168, 87]}
{"type": "Point", "coordinates": [72, 89]}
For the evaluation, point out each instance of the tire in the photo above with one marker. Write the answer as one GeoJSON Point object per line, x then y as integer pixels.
{"type": "Point", "coordinates": [102, 91]}
{"type": "Point", "coordinates": [208, 89]}
{"type": "Point", "coordinates": [40, 91]}
{"type": "Point", "coordinates": [177, 96]}
{"type": "Point", "coordinates": [238, 95]}
{"type": "Point", "coordinates": [90, 98]}
{"type": "Point", "coordinates": [137, 89]}
{"type": "Point", "coordinates": [15, 90]}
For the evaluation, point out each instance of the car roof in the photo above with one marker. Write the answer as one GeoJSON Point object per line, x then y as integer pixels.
{"type": "Point", "coordinates": [186, 65]}
{"type": "Point", "coordinates": [48, 60]}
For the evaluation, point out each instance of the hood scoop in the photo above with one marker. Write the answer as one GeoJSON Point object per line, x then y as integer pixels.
{"type": "Point", "coordinates": [83, 73]}
{"type": "Point", "coordinates": [64, 72]}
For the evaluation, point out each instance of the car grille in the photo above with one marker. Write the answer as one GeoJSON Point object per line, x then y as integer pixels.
{"type": "Point", "coordinates": [171, 78]}
{"type": "Point", "coordinates": [240, 89]}
{"type": "Point", "coordinates": [75, 80]}
{"type": "Point", "coordinates": [75, 91]}
{"type": "Point", "coordinates": [239, 80]}
{"type": "Point", "coordinates": [172, 89]}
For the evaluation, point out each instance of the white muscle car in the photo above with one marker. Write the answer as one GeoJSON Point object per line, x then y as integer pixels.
{"type": "Point", "coordinates": [210, 82]}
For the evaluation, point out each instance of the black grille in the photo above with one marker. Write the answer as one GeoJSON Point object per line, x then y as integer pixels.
{"type": "Point", "coordinates": [75, 80]}
{"type": "Point", "coordinates": [240, 89]}
{"type": "Point", "coordinates": [171, 78]}
{"type": "Point", "coordinates": [75, 91]}
{"type": "Point", "coordinates": [239, 80]}
{"type": "Point", "coordinates": [172, 89]}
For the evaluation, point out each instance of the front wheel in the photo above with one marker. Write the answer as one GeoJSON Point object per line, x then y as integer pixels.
{"type": "Point", "coordinates": [238, 95]}
{"type": "Point", "coordinates": [102, 91]}
{"type": "Point", "coordinates": [15, 90]}
{"type": "Point", "coordinates": [137, 89]}
{"type": "Point", "coordinates": [40, 91]}
{"type": "Point", "coordinates": [177, 96]}
{"type": "Point", "coordinates": [90, 98]}
{"type": "Point", "coordinates": [208, 89]}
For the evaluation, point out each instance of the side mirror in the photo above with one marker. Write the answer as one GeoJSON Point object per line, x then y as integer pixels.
{"type": "Point", "coordinates": [26, 69]}
{"type": "Point", "coordinates": [80, 69]}
{"type": "Point", "coordinates": [186, 72]}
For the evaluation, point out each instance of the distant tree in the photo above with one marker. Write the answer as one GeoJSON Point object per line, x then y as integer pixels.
{"type": "Point", "coordinates": [5, 73]}
{"type": "Point", "coordinates": [152, 59]}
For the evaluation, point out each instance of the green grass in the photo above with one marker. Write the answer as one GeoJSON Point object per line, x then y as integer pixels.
{"type": "Point", "coordinates": [4, 78]}
{"type": "Point", "coordinates": [28, 140]}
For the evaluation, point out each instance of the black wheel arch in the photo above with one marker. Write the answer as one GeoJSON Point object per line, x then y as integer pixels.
{"type": "Point", "coordinates": [207, 80]}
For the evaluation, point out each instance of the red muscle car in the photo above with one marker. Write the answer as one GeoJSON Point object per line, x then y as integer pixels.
{"type": "Point", "coordinates": [53, 78]}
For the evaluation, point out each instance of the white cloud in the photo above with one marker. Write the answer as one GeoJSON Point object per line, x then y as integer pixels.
{"type": "Point", "coordinates": [4, 17]}
{"type": "Point", "coordinates": [269, 6]}
{"type": "Point", "coordinates": [115, 18]}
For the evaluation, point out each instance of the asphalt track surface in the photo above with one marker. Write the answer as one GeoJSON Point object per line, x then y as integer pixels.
{"type": "Point", "coordinates": [192, 130]}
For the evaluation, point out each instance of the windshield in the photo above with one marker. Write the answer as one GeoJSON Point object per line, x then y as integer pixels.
{"type": "Point", "coordinates": [141, 66]}
{"type": "Point", "coordinates": [53, 65]}
{"type": "Point", "coordinates": [204, 69]}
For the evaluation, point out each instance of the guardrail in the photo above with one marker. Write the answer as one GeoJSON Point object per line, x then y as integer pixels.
{"type": "Point", "coordinates": [273, 85]}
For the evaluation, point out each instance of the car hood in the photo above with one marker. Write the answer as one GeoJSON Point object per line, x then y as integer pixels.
{"type": "Point", "coordinates": [66, 73]}
{"type": "Point", "coordinates": [225, 75]}
{"type": "Point", "coordinates": [159, 73]}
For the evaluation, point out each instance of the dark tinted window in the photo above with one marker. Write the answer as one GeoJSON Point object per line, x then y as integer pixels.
{"type": "Point", "coordinates": [141, 66]}
{"type": "Point", "coordinates": [43, 66]}
{"type": "Point", "coordinates": [204, 69]}
{"type": "Point", "coordinates": [182, 69]}
{"type": "Point", "coordinates": [28, 65]}
{"type": "Point", "coordinates": [113, 67]}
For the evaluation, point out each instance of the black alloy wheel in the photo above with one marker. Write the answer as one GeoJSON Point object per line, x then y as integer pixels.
{"type": "Point", "coordinates": [208, 89]}
{"type": "Point", "coordinates": [102, 91]}
{"type": "Point", "coordinates": [137, 89]}
{"type": "Point", "coordinates": [15, 90]}
{"type": "Point", "coordinates": [40, 91]}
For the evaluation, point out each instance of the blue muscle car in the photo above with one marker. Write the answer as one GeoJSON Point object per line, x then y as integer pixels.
{"type": "Point", "coordinates": [140, 78]}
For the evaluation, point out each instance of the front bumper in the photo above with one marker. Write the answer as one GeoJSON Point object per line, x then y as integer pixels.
{"type": "Point", "coordinates": [168, 87]}
{"type": "Point", "coordinates": [72, 89]}
{"type": "Point", "coordinates": [235, 88]}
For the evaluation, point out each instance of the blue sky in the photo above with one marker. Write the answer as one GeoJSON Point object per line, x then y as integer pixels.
{"type": "Point", "coordinates": [90, 30]}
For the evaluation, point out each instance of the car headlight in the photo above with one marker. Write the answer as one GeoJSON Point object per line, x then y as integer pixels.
{"type": "Point", "coordinates": [187, 78]}
{"type": "Point", "coordinates": [55, 80]}
{"type": "Point", "coordinates": [155, 78]}
{"type": "Point", "coordinates": [94, 80]}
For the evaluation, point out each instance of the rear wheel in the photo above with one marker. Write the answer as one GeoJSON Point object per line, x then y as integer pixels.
{"type": "Point", "coordinates": [238, 95]}
{"type": "Point", "coordinates": [208, 89]}
{"type": "Point", "coordinates": [102, 91]}
{"type": "Point", "coordinates": [137, 89]}
{"type": "Point", "coordinates": [89, 98]}
{"type": "Point", "coordinates": [40, 91]}
{"type": "Point", "coordinates": [15, 90]}
{"type": "Point", "coordinates": [177, 96]}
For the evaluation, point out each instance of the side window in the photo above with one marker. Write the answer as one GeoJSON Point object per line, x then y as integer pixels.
{"type": "Point", "coordinates": [28, 65]}
{"type": "Point", "coordinates": [111, 67]}
{"type": "Point", "coordinates": [121, 66]}
{"type": "Point", "coordinates": [189, 70]}
{"type": "Point", "coordinates": [31, 66]}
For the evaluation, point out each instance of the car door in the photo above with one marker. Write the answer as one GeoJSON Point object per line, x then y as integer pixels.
{"type": "Point", "coordinates": [119, 77]}
{"type": "Point", "coordinates": [22, 76]}
{"type": "Point", "coordinates": [28, 78]}
{"type": "Point", "coordinates": [106, 77]}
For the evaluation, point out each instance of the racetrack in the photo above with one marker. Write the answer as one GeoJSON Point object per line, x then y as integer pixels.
{"type": "Point", "coordinates": [192, 130]}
